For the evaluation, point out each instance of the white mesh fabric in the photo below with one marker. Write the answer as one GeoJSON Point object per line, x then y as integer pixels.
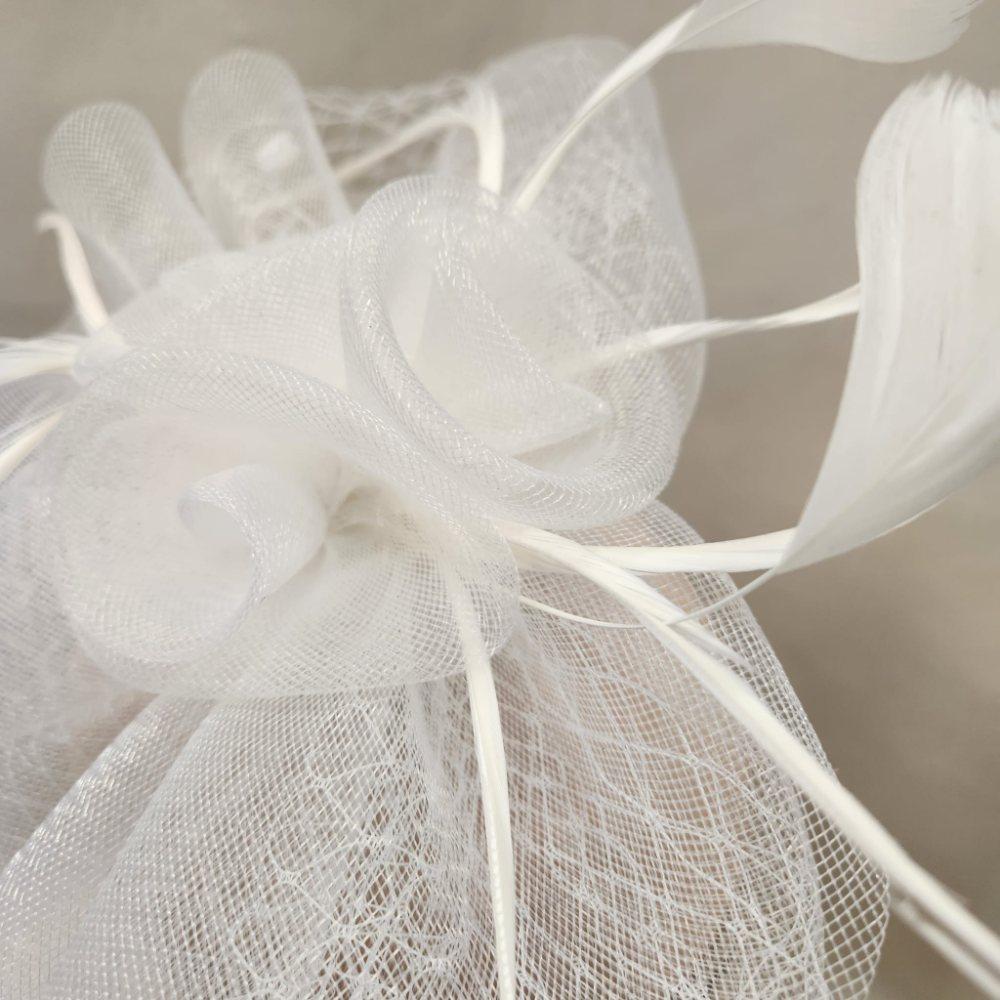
{"type": "Point", "coordinates": [107, 173]}
{"type": "Point", "coordinates": [61, 874]}
{"type": "Point", "coordinates": [164, 610]}
{"type": "Point", "coordinates": [58, 709]}
{"type": "Point", "coordinates": [24, 402]}
{"type": "Point", "coordinates": [228, 567]}
{"type": "Point", "coordinates": [719, 847]}
{"type": "Point", "coordinates": [264, 864]}
{"type": "Point", "coordinates": [330, 844]}
{"type": "Point", "coordinates": [613, 204]}
{"type": "Point", "coordinates": [439, 278]}
{"type": "Point", "coordinates": [253, 155]}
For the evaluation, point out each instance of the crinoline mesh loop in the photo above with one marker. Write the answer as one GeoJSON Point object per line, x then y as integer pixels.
{"type": "Point", "coordinates": [351, 596]}
{"type": "Point", "coordinates": [106, 171]}
{"type": "Point", "coordinates": [457, 317]}
{"type": "Point", "coordinates": [252, 153]}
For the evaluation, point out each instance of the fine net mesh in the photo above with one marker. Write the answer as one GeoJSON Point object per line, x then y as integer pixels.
{"type": "Point", "coordinates": [105, 170]}
{"type": "Point", "coordinates": [236, 745]}
{"type": "Point", "coordinates": [253, 156]}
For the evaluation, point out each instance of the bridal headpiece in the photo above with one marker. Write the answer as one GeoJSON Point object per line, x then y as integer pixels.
{"type": "Point", "coordinates": [345, 648]}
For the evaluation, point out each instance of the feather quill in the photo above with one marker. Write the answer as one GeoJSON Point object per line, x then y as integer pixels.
{"type": "Point", "coordinates": [76, 270]}
{"type": "Point", "coordinates": [12, 454]}
{"type": "Point", "coordinates": [56, 352]}
{"type": "Point", "coordinates": [479, 112]}
{"type": "Point", "coordinates": [875, 30]}
{"type": "Point", "coordinates": [843, 303]}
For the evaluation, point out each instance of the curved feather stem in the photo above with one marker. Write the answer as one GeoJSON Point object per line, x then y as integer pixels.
{"type": "Point", "coordinates": [38, 356]}
{"type": "Point", "coordinates": [739, 555]}
{"type": "Point", "coordinates": [630, 69]}
{"type": "Point", "coordinates": [25, 443]}
{"type": "Point", "coordinates": [480, 112]}
{"type": "Point", "coordinates": [886, 30]}
{"type": "Point", "coordinates": [843, 303]}
{"type": "Point", "coordinates": [971, 967]}
{"type": "Point", "coordinates": [492, 763]}
{"type": "Point", "coordinates": [76, 270]}
{"type": "Point", "coordinates": [570, 617]}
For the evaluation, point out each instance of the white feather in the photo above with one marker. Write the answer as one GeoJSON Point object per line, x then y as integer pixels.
{"type": "Point", "coordinates": [876, 30]}
{"type": "Point", "coordinates": [842, 303]}
{"type": "Point", "coordinates": [491, 759]}
{"type": "Point", "coordinates": [738, 555]}
{"type": "Point", "coordinates": [56, 352]}
{"type": "Point", "coordinates": [920, 413]}
{"type": "Point", "coordinates": [76, 270]}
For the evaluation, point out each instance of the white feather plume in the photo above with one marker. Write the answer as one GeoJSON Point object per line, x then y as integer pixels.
{"type": "Point", "coordinates": [920, 413]}
{"type": "Point", "coordinates": [877, 30]}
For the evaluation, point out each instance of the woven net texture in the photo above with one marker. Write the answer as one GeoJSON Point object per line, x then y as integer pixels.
{"type": "Point", "coordinates": [236, 752]}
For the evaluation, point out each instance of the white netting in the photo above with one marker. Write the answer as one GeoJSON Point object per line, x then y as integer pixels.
{"type": "Point", "coordinates": [253, 155]}
{"type": "Point", "coordinates": [106, 171]}
{"type": "Point", "coordinates": [238, 757]}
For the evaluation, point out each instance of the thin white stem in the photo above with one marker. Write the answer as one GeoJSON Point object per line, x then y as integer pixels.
{"type": "Point", "coordinates": [480, 112]}
{"type": "Point", "coordinates": [570, 617]}
{"type": "Point", "coordinates": [971, 967]}
{"type": "Point", "coordinates": [618, 79]}
{"type": "Point", "coordinates": [422, 128]}
{"type": "Point", "coordinates": [669, 38]}
{"type": "Point", "coordinates": [843, 303]}
{"type": "Point", "coordinates": [739, 555]}
{"type": "Point", "coordinates": [76, 270]}
{"type": "Point", "coordinates": [534, 557]}
{"type": "Point", "coordinates": [492, 764]}
{"type": "Point", "coordinates": [487, 125]}
{"type": "Point", "coordinates": [909, 881]}
{"type": "Point", "coordinates": [25, 443]}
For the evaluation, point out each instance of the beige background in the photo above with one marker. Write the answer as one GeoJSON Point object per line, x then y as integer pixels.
{"type": "Point", "coordinates": [894, 650]}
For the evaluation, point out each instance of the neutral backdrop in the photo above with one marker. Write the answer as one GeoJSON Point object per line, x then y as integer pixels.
{"type": "Point", "coordinates": [894, 650]}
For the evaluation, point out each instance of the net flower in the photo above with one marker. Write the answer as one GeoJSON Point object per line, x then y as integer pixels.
{"type": "Point", "coordinates": [324, 671]}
